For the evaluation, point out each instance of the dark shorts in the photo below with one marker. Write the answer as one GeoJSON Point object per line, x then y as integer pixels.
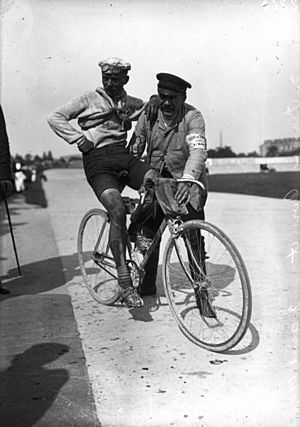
{"type": "Point", "coordinates": [103, 167]}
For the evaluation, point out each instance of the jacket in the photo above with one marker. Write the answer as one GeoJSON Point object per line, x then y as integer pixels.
{"type": "Point", "coordinates": [181, 148]}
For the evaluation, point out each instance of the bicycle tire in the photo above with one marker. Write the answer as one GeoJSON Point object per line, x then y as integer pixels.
{"type": "Point", "coordinates": [95, 259]}
{"type": "Point", "coordinates": [224, 277]}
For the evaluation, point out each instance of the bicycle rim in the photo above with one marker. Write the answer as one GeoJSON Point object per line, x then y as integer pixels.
{"type": "Point", "coordinates": [95, 258]}
{"type": "Point", "coordinates": [221, 272]}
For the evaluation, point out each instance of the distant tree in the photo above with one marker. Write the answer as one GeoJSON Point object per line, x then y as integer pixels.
{"type": "Point", "coordinates": [37, 159]}
{"type": "Point", "coordinates": [290, 153]}
{"type": "Point", "coordinates": [28, 159]}
{"type": "Point", "coordinates": [18, 159]}
{"type": "Point", "coordinates": [221, 152]}
{"type": "Point", "coordinates": [253, 154]}
{"type": "Point", "coordinates": [50, 157]}
{"type": "Point", "coordinates": [272, 151]}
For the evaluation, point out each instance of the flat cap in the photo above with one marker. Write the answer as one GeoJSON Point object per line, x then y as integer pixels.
{"type": "Point", "coordinates": [114, 65]}
{"type": "Point", "coordinates": [172, 82]}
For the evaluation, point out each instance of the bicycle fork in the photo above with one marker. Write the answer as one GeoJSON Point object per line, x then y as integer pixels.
{"type": "Point", "coordinates": [197, 274]}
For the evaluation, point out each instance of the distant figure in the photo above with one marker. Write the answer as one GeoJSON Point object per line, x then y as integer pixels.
{"type": "Point", "coordinates": [33, 175]}
{"type": "Point", "coordinates": [6, 185]}
{"type": "Point", "coordinates": [20, 178]}
{"type": "Point", "coordinates": [263, 167]}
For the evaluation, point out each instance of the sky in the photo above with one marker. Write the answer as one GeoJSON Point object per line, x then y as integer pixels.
{"type": "Point", "coordinates": [241, 57]}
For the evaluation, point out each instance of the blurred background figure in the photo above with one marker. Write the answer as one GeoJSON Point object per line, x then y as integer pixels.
{"type": "Point", "coordinates": [20, 178]}
{"type": "Point", "coordinates": [6, 185]}
{"type": "Point", "coordinates": [33, 175]}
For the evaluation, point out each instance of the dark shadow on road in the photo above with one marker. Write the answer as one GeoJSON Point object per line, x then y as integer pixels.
{"type": "Point", "coordinates": [35, 194]}
{"type": "Point", "coordinates": [40, 276]}
{"type": "Point", "coordinates": [13, 211]}
{"type": "Point", "coordinates": [152, 303]}
{"type": "Point", "coordinates": [28, 388]}
{"type": "Point", "coordinates": [49, 274]}
{"type": "Point", "coordinates": [252, 335]}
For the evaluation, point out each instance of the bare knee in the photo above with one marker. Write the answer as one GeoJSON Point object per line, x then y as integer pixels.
{"type": "Point", "coordinates": [113, 202]}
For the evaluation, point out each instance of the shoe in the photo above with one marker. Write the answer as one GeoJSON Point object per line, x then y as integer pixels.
{"type": "Point", "coordinates": [4, 290]}
{"type": "Point", "coordinates": [131, 298]}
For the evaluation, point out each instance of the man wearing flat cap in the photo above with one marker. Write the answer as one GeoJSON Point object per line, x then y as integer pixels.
{"type": "Point", "coordinates": [104, 116]}
{"type": "Point", "coordinates": [176, 148]}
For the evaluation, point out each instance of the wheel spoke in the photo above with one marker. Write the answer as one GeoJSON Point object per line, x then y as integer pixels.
{"type": "Point", "coordinates": [95, 258]}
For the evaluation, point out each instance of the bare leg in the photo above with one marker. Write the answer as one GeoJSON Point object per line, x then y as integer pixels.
{"type": "Point", "coordinates": [112, 201]}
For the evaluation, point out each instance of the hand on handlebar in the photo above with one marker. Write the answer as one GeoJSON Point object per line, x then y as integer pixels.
{"type": "Point", "coordinates": [182, 194]}
{"type": "Point", "coordinates": [191, 182]}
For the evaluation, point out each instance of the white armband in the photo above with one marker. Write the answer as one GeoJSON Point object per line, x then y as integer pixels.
{"type": "Point", "coordinates": [195, 140]}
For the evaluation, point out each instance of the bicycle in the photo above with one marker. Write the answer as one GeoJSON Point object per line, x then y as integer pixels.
{"type": "Point", "coordinates": [200, 263]}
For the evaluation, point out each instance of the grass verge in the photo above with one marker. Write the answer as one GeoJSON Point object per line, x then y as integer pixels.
{"type": "Point", "coordinates": [271, 184]}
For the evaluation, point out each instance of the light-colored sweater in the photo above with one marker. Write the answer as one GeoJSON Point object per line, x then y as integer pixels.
{"type": "Point", "coordinates": [99, 118]}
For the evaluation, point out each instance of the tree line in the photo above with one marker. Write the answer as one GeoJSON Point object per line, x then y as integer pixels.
{"type": "Point", "coordinates": [218, 152]}
{"type": "Point", "coordinates": [226, 151]}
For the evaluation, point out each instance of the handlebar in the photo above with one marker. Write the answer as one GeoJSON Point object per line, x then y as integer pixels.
{"type": "Point", "coordinates": [192, 181]}
{"type": "Point", "coordinates": [131, 203]}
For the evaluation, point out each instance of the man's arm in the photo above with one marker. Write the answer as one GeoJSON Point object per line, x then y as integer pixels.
{"type": "Point", "coordinates": [138, 140]}
{"type": "Point", "coordinates": [59, 120]}
{"type": "Point", "coordinates": [196, 143]}
{"type": "Point", "coordinates": [150, 107]}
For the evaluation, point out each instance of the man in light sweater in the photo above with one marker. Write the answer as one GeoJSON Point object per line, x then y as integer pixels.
{"type": "Point", "coordinates": [104, 116]}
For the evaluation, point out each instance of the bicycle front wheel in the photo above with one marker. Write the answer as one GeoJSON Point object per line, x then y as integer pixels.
{"type": "Point", "coordinates": [96, 262]}
{"type": "Point", "coordinates": [202, 266]}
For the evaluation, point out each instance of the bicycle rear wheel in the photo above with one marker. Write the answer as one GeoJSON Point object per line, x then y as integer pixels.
{"type": "Point", "coordinates": [200, 263]}
{"type": "Point", "coordinates": [96, 262]}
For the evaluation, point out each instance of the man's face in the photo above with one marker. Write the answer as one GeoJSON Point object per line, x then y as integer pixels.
{"type": "Point", "coordinates": [170, 102]}
{"type": "Point", "coordinates": [113, 83]}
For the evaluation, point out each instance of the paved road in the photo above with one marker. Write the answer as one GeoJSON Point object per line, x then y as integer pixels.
{"type": "Point", "coordinates": [142, 370]}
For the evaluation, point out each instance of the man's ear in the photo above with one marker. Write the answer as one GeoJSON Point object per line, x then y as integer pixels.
{"type": "Point", "coordinates": [125, 79]}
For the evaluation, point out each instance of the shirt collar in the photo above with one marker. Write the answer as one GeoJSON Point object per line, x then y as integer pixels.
{"type": "Point", "coordinates": [163, 125]}
{"type": "Point", "coordinates": [113, 102]}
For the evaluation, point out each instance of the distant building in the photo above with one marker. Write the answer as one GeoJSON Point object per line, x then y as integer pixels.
{"type": "Point", "coordinates": [280, 147]}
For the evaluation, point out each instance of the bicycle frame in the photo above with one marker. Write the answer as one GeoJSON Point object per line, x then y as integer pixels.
{"type": "Point", "coordinates": [167, 221]}
{"type": "Point", "coordinates": [154, 243]}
